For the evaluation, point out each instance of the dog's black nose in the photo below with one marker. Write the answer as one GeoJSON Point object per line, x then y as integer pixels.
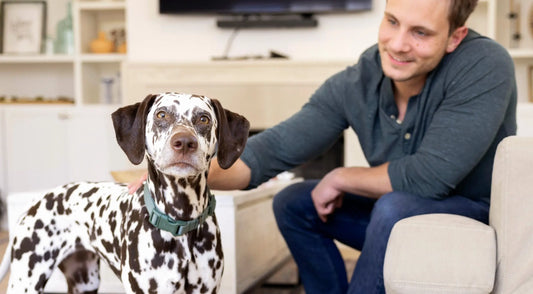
{"type": "Point", "coordinates": [184, 142]}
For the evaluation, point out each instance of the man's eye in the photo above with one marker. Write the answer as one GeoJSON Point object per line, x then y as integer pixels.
{"type": "Point", "coordinates": [205, 119]}
{"type": "Point", "coordinates": [161, 114]}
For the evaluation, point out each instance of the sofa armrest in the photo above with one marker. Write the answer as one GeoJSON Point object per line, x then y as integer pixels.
{"type": "Point", "coordinates": [440, 253]}
{"type": "Point", "coordinates": [511, 214]}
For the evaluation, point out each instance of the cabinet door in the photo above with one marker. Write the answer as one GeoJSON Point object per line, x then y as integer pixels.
{"type": "Point", "coordinates": [92, 149]}
{"type": "Point", "coordinates": [35, 148]}
{"type": "Point", "coordinates": [3, 190]}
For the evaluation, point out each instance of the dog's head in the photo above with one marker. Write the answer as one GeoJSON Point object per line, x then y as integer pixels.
{"type": "Point", "coordinates": [179, 133]}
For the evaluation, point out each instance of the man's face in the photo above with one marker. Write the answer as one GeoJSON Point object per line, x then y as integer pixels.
{"type": "Point", "coordinates": [413, 38]}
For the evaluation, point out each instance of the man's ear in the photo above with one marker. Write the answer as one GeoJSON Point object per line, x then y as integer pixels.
{"type": "Point", "coordinates": [232, 134]}
{"type": "Point", "coordinates": [129, 123]}
{"type": "Point", "coordinates": [456, 38]}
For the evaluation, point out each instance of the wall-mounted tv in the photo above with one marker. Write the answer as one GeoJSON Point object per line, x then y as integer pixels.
{"type": "Point", "coordinates": [262, 6]}
{"type": "Point", "coordinates": [263, 13]}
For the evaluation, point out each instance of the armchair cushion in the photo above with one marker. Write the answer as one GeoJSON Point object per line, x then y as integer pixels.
{"type": "Point", "coordinates": [440, 253]}
{"type": "Point", "coordinates": [511, 215]}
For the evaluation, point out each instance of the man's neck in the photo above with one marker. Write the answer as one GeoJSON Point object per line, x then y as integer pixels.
{"type": "Point", "coordinates": [403, 91]}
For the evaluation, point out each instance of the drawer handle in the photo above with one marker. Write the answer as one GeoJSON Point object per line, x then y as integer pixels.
{"type": "Point", "coordinates": [63, 116]}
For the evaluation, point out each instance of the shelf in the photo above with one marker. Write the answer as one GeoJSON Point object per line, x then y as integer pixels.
{"type": "Point", "coordinates": [103, 58]}
{"type": "Point", "coordinates": [36, 58]}
{"type": "Point", "coordinates": [525, 53]}
{"type": "Point", "coordinates": [101, 5]}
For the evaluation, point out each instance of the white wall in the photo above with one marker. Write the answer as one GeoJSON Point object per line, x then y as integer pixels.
{"type": "Point", "coordinates": [168, 38]}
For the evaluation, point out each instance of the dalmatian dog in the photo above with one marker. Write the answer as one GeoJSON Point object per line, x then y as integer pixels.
{"type": "Point", "coordinates": [162, 239]}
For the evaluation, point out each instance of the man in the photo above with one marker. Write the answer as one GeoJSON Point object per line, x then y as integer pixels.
{"type": "Point", "coordinates": [429, 105]}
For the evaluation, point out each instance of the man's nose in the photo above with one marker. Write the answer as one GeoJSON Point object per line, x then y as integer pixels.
{"type": "Point", "coordinates": [399, 42]}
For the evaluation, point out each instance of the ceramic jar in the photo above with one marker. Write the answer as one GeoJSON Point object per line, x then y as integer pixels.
{"type": "Point", "coordinates": [102, 44]}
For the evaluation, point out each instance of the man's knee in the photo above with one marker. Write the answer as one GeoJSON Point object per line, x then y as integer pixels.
{"type": "Point", "coordinates": [392, 207]}
{"type": "Point", "coordinates": [293, 200]}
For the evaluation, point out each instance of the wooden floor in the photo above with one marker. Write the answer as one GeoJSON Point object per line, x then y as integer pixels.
{"type": "Point", "coordinates": [285, 281]}
{"type": "Point", "coordinates": [4, 238]}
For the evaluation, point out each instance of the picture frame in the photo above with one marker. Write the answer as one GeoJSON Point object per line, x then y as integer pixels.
{"type": "Point", "coordinates": [23, 26]}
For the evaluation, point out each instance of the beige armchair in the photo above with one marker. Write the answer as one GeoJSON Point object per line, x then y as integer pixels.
{"type": "Point", "coordinates": [442, 253]}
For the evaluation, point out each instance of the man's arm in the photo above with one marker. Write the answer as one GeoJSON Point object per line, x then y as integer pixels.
{"type": "Point", "coordinates": [372, 182]}
{"type": "Point", "coordinates": [236, 177]}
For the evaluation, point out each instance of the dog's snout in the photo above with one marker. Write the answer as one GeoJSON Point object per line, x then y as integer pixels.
{"type": "Point", "coordinates": [184, 142]}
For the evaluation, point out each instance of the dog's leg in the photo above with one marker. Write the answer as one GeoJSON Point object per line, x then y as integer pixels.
{"type": "Point", "coordinates": [82, 272]}
{"type": "Point", "coordinates": [30, 268]}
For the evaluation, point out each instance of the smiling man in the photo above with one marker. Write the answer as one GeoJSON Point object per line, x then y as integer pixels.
{"type": "Point", "coordinates": [429, 104]}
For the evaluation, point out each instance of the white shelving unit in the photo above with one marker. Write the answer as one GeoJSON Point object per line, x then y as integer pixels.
{"type": "Point", "coordinates": [78, 76]}
{"type": "Point", "coordinates": [73, 135]}
{"type": "Point", "coordinates": [491, 18]}
{"type": "Point", "coordinates": [75, 76]}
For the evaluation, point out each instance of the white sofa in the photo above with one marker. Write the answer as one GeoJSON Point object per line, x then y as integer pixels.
{"type": "Point", "coordinates": [443, 253]}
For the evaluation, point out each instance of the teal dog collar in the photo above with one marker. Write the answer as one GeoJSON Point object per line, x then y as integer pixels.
{"type": "Point", "coordinates": [176, 227]}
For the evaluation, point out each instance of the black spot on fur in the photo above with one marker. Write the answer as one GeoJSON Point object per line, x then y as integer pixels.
{"type": "Point", "coordinates": [70, 191]}
{"type": "Point", "coordinates": [89, 204]}
{"type": "Point", "coordinates": [34, 259]}
{"type": "Point", "coordinates": [38, 224]}
{"type": "Point", "coordinates": [90, 192]}
{"type": "Point", "coordinates": [153, 286]}
{"type": "Point", "coordinates": [158, 261]}
{"type": "Point", "coordinates": [133, 283]}
{"type": "Point", "coordinates": [26, 245]}
{"type": "Point", "coordinates": [41, 283]}
{"type": "Point", "coordinates": [34, 208]}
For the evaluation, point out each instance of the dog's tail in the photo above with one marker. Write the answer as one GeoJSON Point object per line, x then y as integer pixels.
{"type": "Point", "coordinates": [6, 262]}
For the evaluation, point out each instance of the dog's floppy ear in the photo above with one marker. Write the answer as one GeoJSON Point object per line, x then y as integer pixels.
{"type": "Point", "coordinates": [232, 133]}
{"type": "Point", "coordinates": [129, 123]}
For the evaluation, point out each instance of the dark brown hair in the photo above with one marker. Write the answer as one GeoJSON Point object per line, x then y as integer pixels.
{"type": "Point", "coordinates": [460, 10]}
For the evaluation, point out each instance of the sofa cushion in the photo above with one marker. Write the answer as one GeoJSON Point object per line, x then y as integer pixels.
{"type": "Point", "coordinates": [511, 215]}
{"type": "Point", "coordinates": [440, 253]}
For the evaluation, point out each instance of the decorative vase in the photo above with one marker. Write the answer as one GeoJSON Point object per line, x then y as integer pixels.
{"type": "Point", "coordinates": [65, 35]}
{"type": "Point", "coordinates": [102, 44]}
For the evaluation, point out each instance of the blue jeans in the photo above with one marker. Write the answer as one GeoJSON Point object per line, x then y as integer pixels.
{"type": "Point", "coordinates": [362, 223]}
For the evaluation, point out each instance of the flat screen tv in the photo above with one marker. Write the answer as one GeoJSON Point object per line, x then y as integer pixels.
{"type": "Point", "coordinates": [240, 7]}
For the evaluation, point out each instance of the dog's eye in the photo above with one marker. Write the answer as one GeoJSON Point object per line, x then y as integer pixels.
{"type": "Point", "coordinates": [204, 119]}
{"type": "Point", "coordinates": [161, 114]}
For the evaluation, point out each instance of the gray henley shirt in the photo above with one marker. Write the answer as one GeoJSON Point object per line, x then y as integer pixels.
{"type": "Point", "coordinates": [446, 143]}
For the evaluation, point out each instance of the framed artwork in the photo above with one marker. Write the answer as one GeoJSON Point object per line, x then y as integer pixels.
{"type": "Point", "coordinates": [23, 26]}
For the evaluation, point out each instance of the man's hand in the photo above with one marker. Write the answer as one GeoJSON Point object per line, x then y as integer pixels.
{"type": "Point", "coordinates": [326, 197]}
{"type": "Point", "coordinates": [369, 182]}
{"type": "Point", "coordinates": [134, 186]}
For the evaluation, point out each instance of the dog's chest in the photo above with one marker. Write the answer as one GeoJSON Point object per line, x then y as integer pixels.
{"type": "Point", "coordinates": [190, 263]}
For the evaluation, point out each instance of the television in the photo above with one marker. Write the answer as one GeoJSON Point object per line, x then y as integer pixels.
{"type": "Point", "coordinates": [261, 6]}
{"type": "Point", "coordinates": [266, 11]}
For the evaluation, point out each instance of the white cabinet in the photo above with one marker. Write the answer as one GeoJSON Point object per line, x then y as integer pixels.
{"type": "Point", "coordinates": [3, 190]}
{"type": "Point", "coordinates": [35, 149]}
{"type": "Point", "coordinates": [50, 146]}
